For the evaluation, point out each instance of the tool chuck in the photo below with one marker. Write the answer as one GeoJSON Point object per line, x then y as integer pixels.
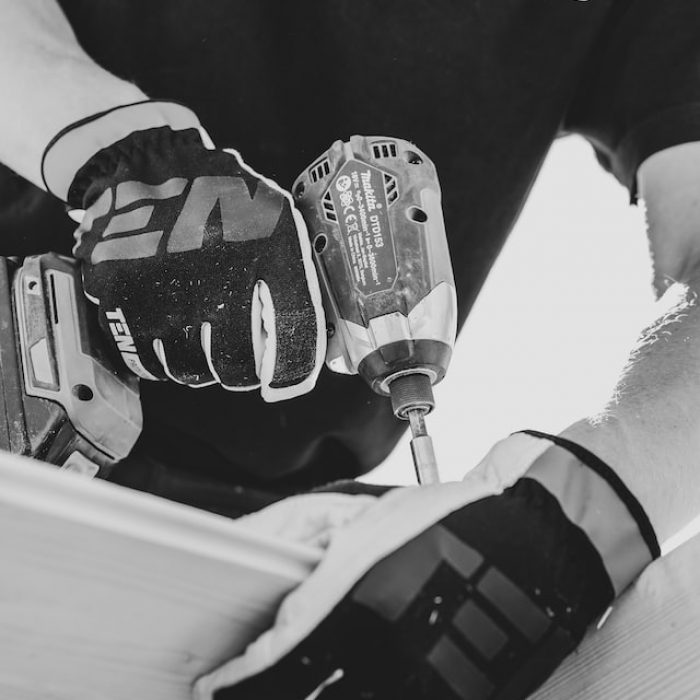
{"type": "Point", "coordinates": [412, 399]}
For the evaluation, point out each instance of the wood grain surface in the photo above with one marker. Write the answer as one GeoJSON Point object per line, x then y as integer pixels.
{"type": "Point", "coordinates": [649, 647]}
{"type": "Point", "coordinates": [109, 594]}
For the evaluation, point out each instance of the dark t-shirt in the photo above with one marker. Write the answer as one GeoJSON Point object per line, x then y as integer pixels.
{"type": "Point", "coordinates": [482, 86]}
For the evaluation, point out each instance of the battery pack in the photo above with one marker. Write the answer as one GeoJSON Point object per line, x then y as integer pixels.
{"type": "Point", "coordinates": [63, 400]}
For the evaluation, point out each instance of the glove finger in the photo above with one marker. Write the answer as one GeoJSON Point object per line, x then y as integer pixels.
{"type": "Point", "coordinates": [137, 353]}
{"type": "Point", "coordinates": [228, 349]}
{"type": "Point", "coordinates": [293, 319]}
{"type": "Point", "coordinates": [183, 359]}
{"type": "Point", "coordinates": [309, 518]}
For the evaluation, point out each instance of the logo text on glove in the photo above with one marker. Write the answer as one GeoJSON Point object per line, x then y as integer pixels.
{"type": "Point", "coordinates": [213, 204]}
{"type": "Point", "coordinates": [125, 343]}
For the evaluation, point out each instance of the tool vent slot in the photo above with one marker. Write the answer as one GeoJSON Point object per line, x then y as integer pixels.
{"type": "Point", "coordinates": [54, 302]}
{"type": "Point", "coordinates": [328, 208]}
{"type": "Point", "coordinates": [384, 149]}
{"type": "Point", "coordinates": [391, 189]}
{"type": "Point", "coordinates": [319, 170]}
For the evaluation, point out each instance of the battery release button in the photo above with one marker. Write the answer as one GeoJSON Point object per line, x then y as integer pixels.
{"type": "Point", "coordinates": [79, 464]}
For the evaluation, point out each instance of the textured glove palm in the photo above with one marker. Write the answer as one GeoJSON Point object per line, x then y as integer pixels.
{"type": "Point", "coordinates": [201, 268]}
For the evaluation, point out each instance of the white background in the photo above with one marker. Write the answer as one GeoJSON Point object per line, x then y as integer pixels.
{"type": "Point", "coordinates": [554, 323]}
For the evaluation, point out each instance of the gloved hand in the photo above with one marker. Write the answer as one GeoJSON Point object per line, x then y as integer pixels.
{"type": "Point", "coordinates": [201, 268]}
{"type": "Point", "coordinates": [475, 590]}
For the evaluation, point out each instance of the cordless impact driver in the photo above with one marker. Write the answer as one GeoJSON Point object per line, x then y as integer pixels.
{"type": "Point", "coordinates": [372, 207]}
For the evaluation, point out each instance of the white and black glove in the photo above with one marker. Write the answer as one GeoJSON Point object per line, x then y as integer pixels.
{"type": "Point", "coordinates": [470, 590]}
{"type": "Point", "coordinates": [201, 267]}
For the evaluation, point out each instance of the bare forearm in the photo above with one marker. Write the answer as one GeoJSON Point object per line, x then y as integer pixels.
{"type": "Point", "coordinates": [650, 431]}
{"type": "Point", "coordinates": [47, 82]}
{"type": "Point", "coordinates": [669, 182]}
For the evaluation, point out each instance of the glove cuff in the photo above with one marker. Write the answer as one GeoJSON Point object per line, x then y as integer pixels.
{"type": "Point", "coordinates": [595, 499]}
{"type": "Point", "coordinates": [75, 145]}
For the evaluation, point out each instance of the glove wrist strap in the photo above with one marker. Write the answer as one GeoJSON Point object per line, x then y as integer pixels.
{"type": "Point", "coordinates": [75, 145]}
{"type": "Point", "coordinates": [596, 500]}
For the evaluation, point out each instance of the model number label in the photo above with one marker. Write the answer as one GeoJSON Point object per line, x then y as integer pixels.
{"type": "Point", "coordinates": [360, 202]}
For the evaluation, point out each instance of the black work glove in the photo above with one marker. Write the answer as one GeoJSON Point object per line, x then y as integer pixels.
{"type": "Point", "coordinates": [472, 590]}
{"type": "Point", "coordinates": [201, 268]}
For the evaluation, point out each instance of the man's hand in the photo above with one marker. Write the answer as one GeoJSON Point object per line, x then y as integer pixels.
{"type": "Point", "coordinates": [476, 589]}
{"type": "Point", "coordinates": [201, 268]}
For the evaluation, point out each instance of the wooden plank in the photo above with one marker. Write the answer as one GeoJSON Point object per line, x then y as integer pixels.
{"type": "Point", "coordinates": [112, 594]}
{"type": "Point", "coordinates": [649, 647]}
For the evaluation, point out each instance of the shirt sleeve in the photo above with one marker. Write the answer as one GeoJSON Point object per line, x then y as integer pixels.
{"type": "Point", "coordinates": [640, 92]}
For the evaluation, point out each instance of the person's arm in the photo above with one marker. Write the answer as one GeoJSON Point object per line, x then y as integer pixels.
{"type": "Point", "coordinates": [204, 300]}
{"type": "Point", "coordinates": [650, 430]}
{"type": "Point", "coordinates": [47, 82]}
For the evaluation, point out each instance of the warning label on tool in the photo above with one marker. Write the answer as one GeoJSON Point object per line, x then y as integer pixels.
{"type": "Point", "coordinates": [360, 204]}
